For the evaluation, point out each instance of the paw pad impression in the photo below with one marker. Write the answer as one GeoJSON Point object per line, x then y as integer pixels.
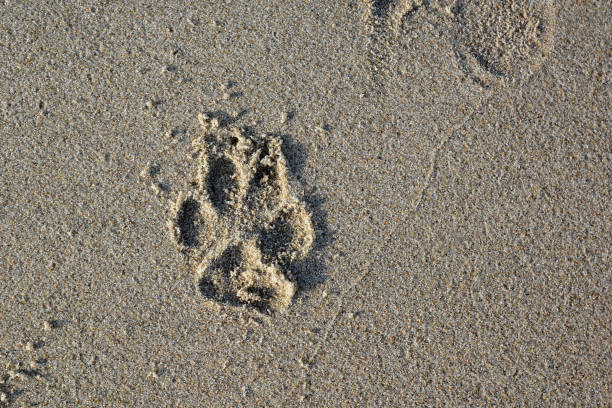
{"type": "Point", "coordinates": [242, 224]}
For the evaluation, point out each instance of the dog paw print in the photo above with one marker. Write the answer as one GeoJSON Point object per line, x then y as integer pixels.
{"type": "Point", "coordinates": [241, 223]}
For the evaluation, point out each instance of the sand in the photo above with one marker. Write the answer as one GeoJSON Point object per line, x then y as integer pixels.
{"type": "Point", "coordinates": [297, 203]}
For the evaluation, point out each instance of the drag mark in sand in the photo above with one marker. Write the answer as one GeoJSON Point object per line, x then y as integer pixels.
{"type": "Point", "coordinates": [242, 225]}
{"type": "Point", "coordinates": [496, 42]}
{"type": "Point", "coordinates": [308, 360]}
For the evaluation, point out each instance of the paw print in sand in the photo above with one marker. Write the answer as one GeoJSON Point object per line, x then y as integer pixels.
{"type": "Point", "coordinates": [241, 224]}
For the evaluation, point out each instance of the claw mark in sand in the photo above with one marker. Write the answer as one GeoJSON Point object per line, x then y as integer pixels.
{"type": "Point", "coordinates": [242, 225]}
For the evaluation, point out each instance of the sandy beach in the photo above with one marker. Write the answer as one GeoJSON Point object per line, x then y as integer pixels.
{"type": "Point", "coordinates": [358, 203]}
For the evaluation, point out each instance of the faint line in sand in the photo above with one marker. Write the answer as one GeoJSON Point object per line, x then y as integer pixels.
{"type": "Point", "coordinates": [308, 360]}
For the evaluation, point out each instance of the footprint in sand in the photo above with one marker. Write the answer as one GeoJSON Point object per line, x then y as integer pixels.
{"type": "Point", "coordinates": [502, 39]}
{"type": "Point", "coordinates": [492, 39]}
{"type": "Point", "coordinates": [242, 225]}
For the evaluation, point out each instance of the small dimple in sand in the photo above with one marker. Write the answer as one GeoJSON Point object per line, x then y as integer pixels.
{"type": "Point", "coordinates": [242, 225]}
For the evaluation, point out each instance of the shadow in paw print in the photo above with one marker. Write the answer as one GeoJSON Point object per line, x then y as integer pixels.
{"type": "Point", "coordinates": [278, 238]}
{"type": "Point", "coordinates": [187, 223]}
{"type": "Point", "coordinates": [220, 183]}
{"type": "Point", "coordinates": [309, 272]}
{"type": "Point", "coordinates": [295, 155]}
{"type": "Point", "coordinates": [312, 271]}
{"type": "Point", "coordinates": [264, 172]}
{"type": "Point", "coordinates": [216, 284]}
{"type": "Point", "coordinates": [458, 8]}
{"type": "Point", "coordinates": [380, 8]}
{"type": "Point", "coordinates": [207, 288]}
{"type": "Point", "coordinates": [265, 295]}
